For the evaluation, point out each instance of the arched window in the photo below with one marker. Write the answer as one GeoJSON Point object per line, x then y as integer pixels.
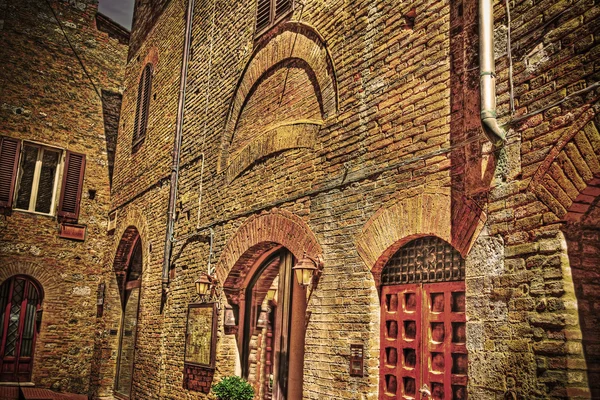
{"type": "Point", "coordinates": [142, 108]}
{"type": "Point", "coordinates": [20, 300]}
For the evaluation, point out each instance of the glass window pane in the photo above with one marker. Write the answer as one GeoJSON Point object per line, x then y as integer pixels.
{"type": "Point", "coordinates": [28, 160]}
{"type": "Point", "coordinates": [46, 185]}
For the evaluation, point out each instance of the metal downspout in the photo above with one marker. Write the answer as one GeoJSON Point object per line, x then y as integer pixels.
{"type": "Point", "coordinates": [487, 73]}
{"type": "Point", "coordinates": [177, 151]}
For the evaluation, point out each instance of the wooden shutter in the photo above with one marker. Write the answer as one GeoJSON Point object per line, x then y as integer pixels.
{"type": "Point", "coordinates": [263, 14]}
{"type": "Point", "coordinates": [143, 106]}
{"type": "Point", "coordinates": [72, 185]}
{"type": "Point", "coordinates": [282, 7]}
{"type": "Point", "coordinates": [9, 161]}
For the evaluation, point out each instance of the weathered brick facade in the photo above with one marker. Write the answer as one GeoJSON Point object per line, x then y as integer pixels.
{"type": "Point", "coordinates": [46, 98]}
{"type": "Point", "coordinates": [346, 131]}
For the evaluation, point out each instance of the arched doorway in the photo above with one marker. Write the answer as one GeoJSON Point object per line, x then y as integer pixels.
{"type": "Point", "coordinates": [272, 331]}
{"type": "Point", "coordinates": [20, 300]}
{"type": "Point", "coordinates": [423, 323]}
{"type": "Point", "coordinates": [130, 286]}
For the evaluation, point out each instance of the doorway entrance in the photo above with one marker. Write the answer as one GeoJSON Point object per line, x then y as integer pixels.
{"type": "Point", "coordinates": [130, 297]}
{"type": "Point", "coordinates": [20, 300]}
{"type": "Point", "coordinates": [274, 311]}
{"type": "Point", "coordinates": [423, 323]}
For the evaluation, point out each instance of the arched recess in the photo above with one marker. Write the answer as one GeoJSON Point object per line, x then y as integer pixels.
{"type": "Point", "coordinates": [128, 267]}
{"type": "Point", "coordinates": [20, 305]}
{"type": "Point", "coordinates": [50, 292]}
{"type": "Point", "coordinates": [286, 91]}
{"type": "Point", "coordinates": [568, 179]}
{"type": "Point", "coordinates": [426, 214]}
{"type": "Point", "coordinates": [259, 257]}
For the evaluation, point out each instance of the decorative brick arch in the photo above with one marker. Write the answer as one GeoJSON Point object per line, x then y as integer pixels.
{"type": "Point", "coordinates": [290, 42]}
{"type": "Point", "coordinates": [126, 219]}
{"type": "Point", "coordinates": [426, 214]}
{"type": "Point", "coordinates": [46, 278]}
{"type": "Point", "coordinates": [568, 180]}
{"type": "Point", "coordinates": [258, 235]}
{"type": "Point", "coordinates": [152, 58]}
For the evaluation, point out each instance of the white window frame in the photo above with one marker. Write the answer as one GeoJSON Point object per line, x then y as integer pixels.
{"type": "Point", "coordinates": [36, 177]}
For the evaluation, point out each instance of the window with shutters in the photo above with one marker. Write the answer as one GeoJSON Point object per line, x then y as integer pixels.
{"type": "Point", "coordinates": [270, 12]}
{"type": "Point", "coordinates": [37, 178]}
{"type": "Point", "coordinates": [142, 109]}
{"type": "Point", "coordinates": [30, 179]}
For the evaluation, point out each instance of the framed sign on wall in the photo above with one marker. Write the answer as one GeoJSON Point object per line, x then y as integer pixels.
{"type": "Point", "coordinates": [200, 337]}
{"type": "Point", "coordinates": [200, 346]}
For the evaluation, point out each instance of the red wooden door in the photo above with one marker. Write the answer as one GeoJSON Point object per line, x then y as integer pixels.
{"type": "Point", "coordinates": [423, 342]}
{"type": "Point", "coordinates": [19, 302]}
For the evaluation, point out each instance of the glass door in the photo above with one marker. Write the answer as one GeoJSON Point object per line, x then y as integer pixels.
{"type": "Point", "coordinates": [20, 300]}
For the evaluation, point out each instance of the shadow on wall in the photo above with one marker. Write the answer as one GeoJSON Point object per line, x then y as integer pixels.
{"type": "Point", "coordinates": [583, 241]}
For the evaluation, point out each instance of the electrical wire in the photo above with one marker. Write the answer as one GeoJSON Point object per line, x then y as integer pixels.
{"type": "Point", "coordinates": [201, 189]}
{"type": "Point", "coordinates": [287, 72]}
{"type": "Point", "coordinates": [336, 185]}
{"type": "Point", "coordinates": [73, 49]}
{"type": "Point", "coordinates": [541, 110]}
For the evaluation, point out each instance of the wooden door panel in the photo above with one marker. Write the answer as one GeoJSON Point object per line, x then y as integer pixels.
{"type": "Point", "coordinates": [423, 341]}
{"type": "Point", "coordinates": [444, 339]}
{"type": "Point", "coordinates": [400, 333]}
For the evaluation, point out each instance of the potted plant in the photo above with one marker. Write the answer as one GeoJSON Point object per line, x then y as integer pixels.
{"type": "Point", "coordinates": [233, 388]}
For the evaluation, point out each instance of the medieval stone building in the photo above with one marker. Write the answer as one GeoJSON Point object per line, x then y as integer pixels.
{"type": "Point", "coordinates": [346, 137]}
{"type": "Point", "coordinates": [442, 212]}
{"type": "Point", "coordinates": [60, 96]}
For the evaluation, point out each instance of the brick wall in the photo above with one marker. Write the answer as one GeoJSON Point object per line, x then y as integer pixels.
{"type": "Point", "coordinates": [47, 98]}
{"type": "Point", "coordinates": [405, 88]}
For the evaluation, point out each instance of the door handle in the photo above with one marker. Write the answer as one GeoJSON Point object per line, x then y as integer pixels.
{"type": "Point", "coordinates": [425, 392]}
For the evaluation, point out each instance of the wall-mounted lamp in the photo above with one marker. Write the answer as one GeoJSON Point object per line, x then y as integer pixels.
{"type": "Point", "coordinates": [230, 321]}
{"type": "Point", "coordinates": [271, 293]}
{"type": "Point", "coordinates": [208, 288]}
{"type": "Point", "coordinates": [261, 323]}
{"type": "Point", "coordinates": [306, 268]}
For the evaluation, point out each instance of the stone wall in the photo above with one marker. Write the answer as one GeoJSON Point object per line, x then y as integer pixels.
{"type": "Point", "coordinates": [47, 98]}
{"type": "Point", "coordinates": [371, 138]}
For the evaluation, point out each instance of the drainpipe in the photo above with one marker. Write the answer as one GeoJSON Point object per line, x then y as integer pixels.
{"type": "Point", "coordinates": [177, 150]}
{"type": "Point", "coordinates": [487, 73]}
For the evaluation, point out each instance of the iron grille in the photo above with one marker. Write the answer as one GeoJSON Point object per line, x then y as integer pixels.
{"type": "Point", "coordinates": [427, 259]}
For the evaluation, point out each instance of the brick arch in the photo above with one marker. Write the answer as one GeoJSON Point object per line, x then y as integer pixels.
{"type": "Point", "coordinates": [426, 214]}
{"type": "Point", "coordinates": [46, 278]}
{"type": "Point", "coordinates": [258, 235]}
{"type": "Point", "coordinates": [127, 218]}
{"type": "Point", "coordinates": [568, 179]}
{"type": "Point", "coordinates": [152, 58]}
{"type": "Point", "coordinates": [289, 41]}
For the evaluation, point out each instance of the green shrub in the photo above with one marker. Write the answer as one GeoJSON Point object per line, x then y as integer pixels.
{"type": "Point", "coordinates": [233, 388]}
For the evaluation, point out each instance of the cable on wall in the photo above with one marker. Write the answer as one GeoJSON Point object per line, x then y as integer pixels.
{"type": "Point", "coordinates": [73, 50]}
{"type": "Point", "coordinates": [510, 62]}
{"type": "Point", "coordinates": [209, 75]}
